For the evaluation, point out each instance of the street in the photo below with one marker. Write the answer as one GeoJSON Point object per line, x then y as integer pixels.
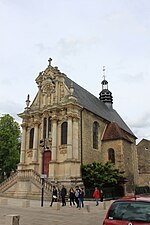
{"type": "Point", "coordinates": [37, 215]}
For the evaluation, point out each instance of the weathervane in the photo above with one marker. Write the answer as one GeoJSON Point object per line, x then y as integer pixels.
{"type": "Point", "coordinates": [104, 76]}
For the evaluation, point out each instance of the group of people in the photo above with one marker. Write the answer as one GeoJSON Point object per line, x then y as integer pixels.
{"type": "Point", "coordinates": [56, 195]}
{"type": "Point", "coordinates": [76, 196]}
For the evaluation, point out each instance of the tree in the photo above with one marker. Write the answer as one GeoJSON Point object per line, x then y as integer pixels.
{"type": "Point", "coordinates": [98, 174]}
{"type": "Point", "coordinates": [9, 146]}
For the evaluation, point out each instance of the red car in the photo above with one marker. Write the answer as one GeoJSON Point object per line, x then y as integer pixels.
{"type": "Point", "coordinates": [133, 210]}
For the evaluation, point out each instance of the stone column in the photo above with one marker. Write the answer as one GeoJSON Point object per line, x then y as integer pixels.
{"type": "Point", "coordinates": [54, 138]}
{"type": "Point", "coordinates": [69, 138]}
{"type": "Point", "coordinates": [23, 143]}
{"type": "Point", "coordinates": [35, 141]}
{"type": "Point", "coordinates": [56, 93]}
{"type": "Point", "coordinates": [75, 138]}
{"type": "Point", "coordinates": [44, 99]}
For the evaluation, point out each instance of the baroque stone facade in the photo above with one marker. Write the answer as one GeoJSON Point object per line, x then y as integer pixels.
{"type": "Point", "coordinates": [66, 126]}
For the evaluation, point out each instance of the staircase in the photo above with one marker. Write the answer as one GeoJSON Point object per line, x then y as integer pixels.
{"type": "Point", "coordinates": [25, 184]}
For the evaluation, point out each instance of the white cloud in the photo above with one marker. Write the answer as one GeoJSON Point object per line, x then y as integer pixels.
{"type": "Point", "coordinates": [81, 37]}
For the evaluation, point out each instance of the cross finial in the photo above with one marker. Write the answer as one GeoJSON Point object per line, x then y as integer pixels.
{"type": "Point", "coordinates": [104, 76]}
{"type": "Point", "coordinates": [50, 60]}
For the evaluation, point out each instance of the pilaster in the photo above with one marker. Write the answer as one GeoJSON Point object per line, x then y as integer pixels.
{"type": "Point", "coordinates": [69, 138]}
{"type": "Point", "coordinates": [54, 137]}
{"type": "Point", "coordinates": [75, 138]}
{"type": "Point", "coordinates": [35, 142]}
{"type": "Point", "coordinates": [23, 143]}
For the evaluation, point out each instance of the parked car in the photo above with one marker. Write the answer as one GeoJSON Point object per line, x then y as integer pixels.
{"type": "Point", "coordinates": [133, 210]}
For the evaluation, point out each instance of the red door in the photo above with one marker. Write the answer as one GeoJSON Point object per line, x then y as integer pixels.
{"type": "Point", "coordinates": [47, 159]}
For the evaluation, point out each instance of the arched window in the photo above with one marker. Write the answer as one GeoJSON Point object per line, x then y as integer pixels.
{"type": "Point", "coordinates": [95, 135]}
{"type": "Point", "coordinates": [31, 138]}
{"type": "Point", "coordinates": [111, 155]}
{"type": "Point", "coordinates": [64, 133]}
{"type": "Point", "coordinates": [44, 127]}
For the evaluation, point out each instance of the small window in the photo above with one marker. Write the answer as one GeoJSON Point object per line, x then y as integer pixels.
{"type": "Point", "coordinates": [64, 133]}
{"type": "Point", "coordinates": [111, 155]}
{"type": "Point", "coordinates": [95, 135]}
{"type": "Point", "coordinates": [31, 138]}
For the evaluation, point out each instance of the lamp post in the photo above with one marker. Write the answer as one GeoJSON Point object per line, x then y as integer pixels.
{"type": "Point", "coordinates": [42, 142]}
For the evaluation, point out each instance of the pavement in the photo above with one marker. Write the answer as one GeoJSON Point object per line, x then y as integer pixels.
{"type": "Point", "coordinates": [31, 213]}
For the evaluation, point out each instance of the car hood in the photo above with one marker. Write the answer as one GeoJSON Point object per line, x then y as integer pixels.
{"type": "Point", "coordinates": [124, 222]}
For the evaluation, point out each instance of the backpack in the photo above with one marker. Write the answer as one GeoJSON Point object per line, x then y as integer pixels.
{"type": "Point", "coordinates": [76, 193]}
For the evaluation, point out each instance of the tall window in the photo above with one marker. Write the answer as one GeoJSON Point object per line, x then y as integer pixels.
{"type": "Point", "coordinates": [95, 135]}
{"type": "Point", "coordinates": [49, 126]}
{"type": "Point", "coordinates": [64, 133]}
{"type": "Point", "coordinates": [31, 138]}
{"type": "Point", "coordinates": [44, 127]}
{"type": "Point", "coordinates": [111, 155]}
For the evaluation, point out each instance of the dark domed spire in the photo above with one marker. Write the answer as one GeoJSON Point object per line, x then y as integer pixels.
{"type": "Point", "coordinates": [105, 95]}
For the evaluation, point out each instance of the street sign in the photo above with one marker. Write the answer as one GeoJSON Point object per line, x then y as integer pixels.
{"type": "Point", "coordinates": [44, 176]}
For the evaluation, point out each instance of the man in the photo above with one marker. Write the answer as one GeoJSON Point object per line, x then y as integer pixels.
{"type": "Point", "coordinates": [63, 195]}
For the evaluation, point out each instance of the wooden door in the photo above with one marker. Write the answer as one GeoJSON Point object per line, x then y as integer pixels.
{"type": "Point", "coordinates": [47, 159]}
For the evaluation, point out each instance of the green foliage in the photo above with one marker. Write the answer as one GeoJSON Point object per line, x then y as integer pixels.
{"type": "Point", "coordinates": [98, 174]}
{"type": "Point", "coordinates": [9, 146]}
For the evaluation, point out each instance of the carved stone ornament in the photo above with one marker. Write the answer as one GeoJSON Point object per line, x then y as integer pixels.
{"type": "Point", "coordinates": [29, 153]}
{"type": "Point", "coordinates": [48, 86]}
{"type": "Point", "coordinates": [63, 149]}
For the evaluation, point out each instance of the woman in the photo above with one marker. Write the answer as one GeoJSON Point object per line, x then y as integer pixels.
{"type": "Point", "coordinates": [81, 198]}
{"type": "Point", "coordinates": [54, 195]}
{"type": "Point", "coordinates": [71, 196]}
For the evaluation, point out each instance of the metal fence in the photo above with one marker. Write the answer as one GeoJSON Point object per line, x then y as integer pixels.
{"type": "Point", "coordinates": [108, 192]}
{"type": "Point", "coordinates": [145, 190]}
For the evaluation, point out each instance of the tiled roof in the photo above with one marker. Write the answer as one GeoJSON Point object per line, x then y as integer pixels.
{"type": "Point", "coordinates": [94, 105]}
{"type": "Point", "coordinates": [114, 132]}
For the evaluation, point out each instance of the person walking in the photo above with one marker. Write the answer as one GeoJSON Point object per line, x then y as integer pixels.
{"type": "Point", "coordinates": [96, 195]}
{"type": "Point", "coordinates": [102, 195]}
{"type": "Point", "coordinates": [63, 195]}
{"type": "Point", "coordinates": [71, 196]}
{"type": "Point", "coordinates": [81, 198]}
{"type": "Point", "coordinates": [54, 195]}
{"type": "Point", "coordinates": [76, 194]}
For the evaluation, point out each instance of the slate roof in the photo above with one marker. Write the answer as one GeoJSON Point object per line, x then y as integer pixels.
{"type": "Point", "coordinates": [94, 105]}
{"type": "Point", "coordinates": [114, 132]}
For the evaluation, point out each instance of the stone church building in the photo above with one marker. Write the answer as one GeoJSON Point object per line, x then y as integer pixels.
{"type": "Point", "coordinates": [143, 151]}
{"type": "Point", "coordinates": [66, 126]}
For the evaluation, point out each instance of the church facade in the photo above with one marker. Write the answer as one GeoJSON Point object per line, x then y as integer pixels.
{"type": "Point", "coordinates": [66, 126]}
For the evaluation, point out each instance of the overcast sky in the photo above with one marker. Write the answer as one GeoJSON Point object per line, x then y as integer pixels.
{"type": "Point", "coordinates": [81, 36]}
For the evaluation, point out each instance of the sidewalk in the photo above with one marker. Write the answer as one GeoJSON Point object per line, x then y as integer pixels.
{"type": "Point", "coordinates": [31, 213]}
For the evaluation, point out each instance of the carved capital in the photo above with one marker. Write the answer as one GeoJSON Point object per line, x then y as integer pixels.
{"type": "Point", "coordinates": [36, 121]}
{"type": "Point", "coordinates": [24, 125]}
{"type": "Point", "coordinates": [75, 119]}
{"type": "Point", "coordinates": [54, 117]}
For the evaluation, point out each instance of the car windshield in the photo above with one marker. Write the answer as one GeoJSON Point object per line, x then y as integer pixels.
{"type": "Point", "coordinates": [130, 210]}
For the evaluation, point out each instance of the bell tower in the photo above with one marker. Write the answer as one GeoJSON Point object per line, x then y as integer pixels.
{"type": "Point", "coordinates": [105, 95]}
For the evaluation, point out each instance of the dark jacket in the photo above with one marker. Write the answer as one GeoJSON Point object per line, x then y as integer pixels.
{"type": "Point", "coordinates": [54, 193]}
{"type": "Point", "coordinates": [63, 192]}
